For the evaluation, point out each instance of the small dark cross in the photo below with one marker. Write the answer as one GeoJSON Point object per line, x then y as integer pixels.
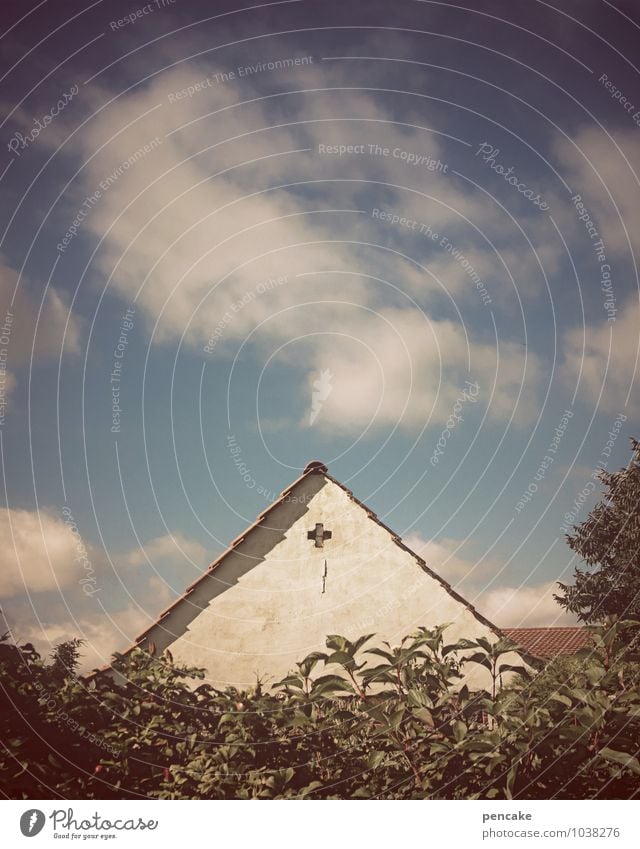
{"type": "Point", "coordinates": [319, 535]}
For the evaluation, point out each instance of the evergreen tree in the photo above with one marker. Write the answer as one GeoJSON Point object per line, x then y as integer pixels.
{"type": "Point", "coordinates": [609, 542]}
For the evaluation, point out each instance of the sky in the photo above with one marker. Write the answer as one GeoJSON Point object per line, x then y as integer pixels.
{"type": "Point", "coordinates": [396, 237]}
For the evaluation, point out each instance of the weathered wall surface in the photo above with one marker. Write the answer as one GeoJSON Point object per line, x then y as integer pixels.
{"type": "Point", "coordinates": [263, 611]}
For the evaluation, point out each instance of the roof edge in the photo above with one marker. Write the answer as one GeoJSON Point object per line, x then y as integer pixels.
{"type": "Point", "coordinates": [421, 562]}
{"type": "Point", "coordinates": [311, 469]}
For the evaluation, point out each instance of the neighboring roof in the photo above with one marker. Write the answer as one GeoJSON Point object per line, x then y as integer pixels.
{"type": "Point", "coordinates": [549, 642]}
{"type": "Point", "coordinates": [315, 467]}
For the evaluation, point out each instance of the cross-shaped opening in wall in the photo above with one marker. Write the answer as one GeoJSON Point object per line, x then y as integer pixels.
{"type": "Point", "coordinates": [319, 535]}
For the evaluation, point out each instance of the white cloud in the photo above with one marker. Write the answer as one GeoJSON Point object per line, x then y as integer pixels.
{"type": "Point", "coordinates": [190, 228]}
{"type": "Point", "coordinates": [525, 606]}
{"type": "Point", "coordinates": [444, 558]}
{"type": "Point", "coordinates": [55, 331]}
{"type": "Point", "coordinates": [595, 169]}
{"type": "Point", "coordinates": [40, 552]}
{"type": "Point", "coordinates": [174, 547]}
{"type": "Point", "coordinates": [192, 231]}
{"type": "Point", "coordinates": [604, 359]}
{"type": "Point", "coordinates": [610, 346]}
{"type": "Point", "coordinates": [505, 606]}
{"type": "Point", "coordinates": [213, 222]}
{"type": "Point", "coordinates": [400, 366]}
{"type": "Point", "coordinates": [44, 600]}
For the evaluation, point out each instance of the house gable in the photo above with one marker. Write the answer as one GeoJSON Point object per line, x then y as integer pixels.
{"type": "Point", "coordinates": [283, 585]}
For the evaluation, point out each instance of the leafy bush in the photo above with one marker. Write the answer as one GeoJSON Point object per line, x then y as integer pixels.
{"type": "Point", "coordinates": [392, 723]}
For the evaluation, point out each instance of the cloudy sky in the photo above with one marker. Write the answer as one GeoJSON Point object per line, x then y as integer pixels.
{"type": "Point", "coordinates": [396, 237]}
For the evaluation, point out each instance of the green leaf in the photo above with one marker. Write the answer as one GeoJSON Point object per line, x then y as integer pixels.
{"type": "Point", "coordinates": [307, 666]}
{"type": "Point", "coordinates": [484, 643]}
{"type": "Point", "coordinates": [360, 642]}
{"type": "Point", "coordinates": [558, 697]}
{"type": "Point", "coordinates": [459, 731]}
{"type": "Point", "coordinates": [396, 717]}
{"type": "Point", "coordinates": [374, 759]}
{"type": "Point", "coordinates": [621, 758]}
{"type": "Point", "coordinates": [341, 657]}
{"type": "Point", "coordinates": [381, 653]}
{"type": "Point", "coordinates": [418, 698]}
{"type": "Point", "coordinates": [508, 667]}
{"type": "Point", "coordinates": [376, 712]}
{"type": "Point", "coordinates": [424, 715]}
{"type": "Point", "coordinates": [291, 681]}
{"type": "Point", "coordinates": [327, 684]}
{"type": "Point", "coordinates": [479, 658]}
{"type": "Point", "coordinates": [467, 644]}
{"type": "Point", "coordinates": [336, 642]}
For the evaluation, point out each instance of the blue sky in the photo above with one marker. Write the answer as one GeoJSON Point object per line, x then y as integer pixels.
{"type": "Point", "coordinates": [390, 204]}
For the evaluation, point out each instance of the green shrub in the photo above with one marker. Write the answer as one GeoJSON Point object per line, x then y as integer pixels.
{"type": "Point", "coordinates": [353, 722]}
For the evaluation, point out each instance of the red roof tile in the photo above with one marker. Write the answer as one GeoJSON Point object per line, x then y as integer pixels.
{"type": "Point", "coordinates": [549, 642]}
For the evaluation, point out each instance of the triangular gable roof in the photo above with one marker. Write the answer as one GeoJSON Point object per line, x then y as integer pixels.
{"type": "Point", "coordinates": [313, 468]}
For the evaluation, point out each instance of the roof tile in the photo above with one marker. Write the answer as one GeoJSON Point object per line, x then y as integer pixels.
{"type": "Point", "coordinates": [550, 642]}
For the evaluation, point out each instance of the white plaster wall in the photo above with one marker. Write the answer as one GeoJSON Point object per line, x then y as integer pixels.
{"type": "Point", "coordinates": [276, 613]}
